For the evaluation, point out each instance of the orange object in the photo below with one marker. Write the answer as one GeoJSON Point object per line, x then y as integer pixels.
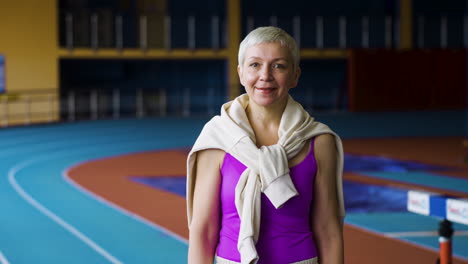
{"type": "Point", "coordinates": [445, 246]}
{"type": "Point", "coordinates": [445, 242]}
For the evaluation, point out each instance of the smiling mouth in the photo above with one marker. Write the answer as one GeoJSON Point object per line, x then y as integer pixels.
{"type": "Point", "coordinates": [265, 89]}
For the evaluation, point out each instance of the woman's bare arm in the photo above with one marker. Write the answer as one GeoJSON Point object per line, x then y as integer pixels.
{"type": "Point", "coordinates": [326, 223]}
{"type": "Point", "coordinates": [204, 228]}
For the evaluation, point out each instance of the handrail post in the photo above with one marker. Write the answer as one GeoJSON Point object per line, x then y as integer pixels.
{"type": "Point", "coordinates": [27, 113]}
{"type": "Point", "coordinates": [71, 106]}
{"type": "Point", "coordinates": [93, 103]}
{"type": "Point", "coordinates": [139, 104]}
{"type": "Point", "coordinates": [51, 110]}
{"type": "Point", "coordinates": [5, 112]}
{"type": "Point", "coordinates": [162, 103]}
{"type": "Point", "coordinates": [186, 103]}
{"type": "Point", "coordinates": [116, 104]}
{"type": "Point", "coordinates": [445, 242]}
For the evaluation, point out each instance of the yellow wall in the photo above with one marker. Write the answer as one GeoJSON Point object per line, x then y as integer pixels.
{"type": "Point", "coordinates": [29, 42]}
{"type": "Point", "coordinates": [234, 31]}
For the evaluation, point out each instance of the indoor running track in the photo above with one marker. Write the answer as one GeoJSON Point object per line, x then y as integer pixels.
{"type": "Point", "coordinates": [46, 219]}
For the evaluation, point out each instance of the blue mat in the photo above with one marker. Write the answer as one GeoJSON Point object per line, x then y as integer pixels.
{"type": "Point", "coordinates": [358, 197]}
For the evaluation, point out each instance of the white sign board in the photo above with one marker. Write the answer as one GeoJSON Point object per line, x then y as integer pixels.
{"type": "Point", "coordinates": [457, 211]}
{"type": "Point", "coordinates": [418, 202]}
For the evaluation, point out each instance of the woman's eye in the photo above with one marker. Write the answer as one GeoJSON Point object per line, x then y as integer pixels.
{"type": "Point", "coordinates": [254, 64]}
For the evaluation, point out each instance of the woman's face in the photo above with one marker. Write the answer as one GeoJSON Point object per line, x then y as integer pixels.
{"type": "Point", "coordinates": [268, 73]}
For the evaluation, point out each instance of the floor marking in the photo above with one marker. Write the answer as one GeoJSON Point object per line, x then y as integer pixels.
{"type": "Point", "coordinates": [119, 208]}
{"type": "Point", "coordinates": [421, 234]}
{"type": "Point", "coordinates": [3, 259]}
{"type": "Point", "coordinates": [42, 209]}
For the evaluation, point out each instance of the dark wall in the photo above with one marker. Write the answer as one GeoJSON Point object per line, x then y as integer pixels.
{"type": "Point", "coordinates": [143, 74]}
{"type": "Point", "coordinates": [386, 80]}
{"type": "Point", "coordinates": [262, 10]}
{"type": "Point", "coordinates": [323, 85]}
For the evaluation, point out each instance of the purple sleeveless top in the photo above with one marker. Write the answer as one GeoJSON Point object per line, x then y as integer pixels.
{"type": "Point", "coordinates": [285, 233]}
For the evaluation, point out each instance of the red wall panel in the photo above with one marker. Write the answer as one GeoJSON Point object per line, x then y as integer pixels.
{"type": "Point", "coordinates": [388, 80]}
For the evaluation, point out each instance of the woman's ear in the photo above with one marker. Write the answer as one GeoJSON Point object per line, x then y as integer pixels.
{"type": "Point", "coordinates": [297, 74]}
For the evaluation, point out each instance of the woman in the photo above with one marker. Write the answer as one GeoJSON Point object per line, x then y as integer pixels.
{"type": "Point", "coordinates": [264, 178]}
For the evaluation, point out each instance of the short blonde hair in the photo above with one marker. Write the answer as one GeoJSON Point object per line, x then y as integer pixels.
{"type": "Point", "coordinates": [269, 34]}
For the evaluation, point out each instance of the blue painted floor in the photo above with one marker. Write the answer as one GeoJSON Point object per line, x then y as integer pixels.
{"type": "Point", "coordinates": [385, 199]}
{"type": "Point", "coordinates": [45, 219]}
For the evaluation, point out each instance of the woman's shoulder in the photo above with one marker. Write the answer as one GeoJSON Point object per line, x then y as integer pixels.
{"type": "Point", "coordinates": [212, 156]}
{"type": "Point", "coordinates": [325, 139]}
{"type": "Point", "coordinates": [324, 145]}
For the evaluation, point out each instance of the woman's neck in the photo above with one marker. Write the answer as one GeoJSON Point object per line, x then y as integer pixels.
{"type": "Point", "coordinates": [265, 121]}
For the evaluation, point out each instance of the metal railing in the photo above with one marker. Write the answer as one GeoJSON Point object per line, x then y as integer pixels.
{"type": "Point", "coordinates": [44, 106]}
{"type": "Point", "coordinates": [26, 107]}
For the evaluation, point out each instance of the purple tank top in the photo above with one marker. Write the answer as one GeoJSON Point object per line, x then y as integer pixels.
{"type": "Point", "coordinates": [285, 234]}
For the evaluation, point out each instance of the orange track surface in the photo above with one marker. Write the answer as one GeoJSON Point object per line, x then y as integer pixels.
{"type": "Point", "coordinates": [108, 178]}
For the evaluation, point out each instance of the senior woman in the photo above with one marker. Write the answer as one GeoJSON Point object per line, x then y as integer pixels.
{"type": "Point", "coordinates": [264, 179]}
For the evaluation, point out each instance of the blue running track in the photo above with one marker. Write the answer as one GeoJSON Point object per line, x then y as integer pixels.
{"type": "Point", "coordinates": [44, 219]}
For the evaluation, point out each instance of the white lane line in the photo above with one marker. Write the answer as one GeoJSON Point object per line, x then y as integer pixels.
{"type": "Point", "coordinates": [422, 234]}
{"type": "Point", "coordinates": [119, 208]}
{"type": "Point", "coordinates": [3, 259]}
{"type": "Point", "coordinates": [42, 209]}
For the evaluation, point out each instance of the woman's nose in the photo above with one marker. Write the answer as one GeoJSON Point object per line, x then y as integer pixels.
{"type": "Point", "coordinates": [265, 73]}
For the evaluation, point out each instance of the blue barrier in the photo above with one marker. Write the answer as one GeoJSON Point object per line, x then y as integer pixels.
{"type": "Point", "coordinates": [449, 209]}
{"type": "Point", "coordinates": [440, 206]}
